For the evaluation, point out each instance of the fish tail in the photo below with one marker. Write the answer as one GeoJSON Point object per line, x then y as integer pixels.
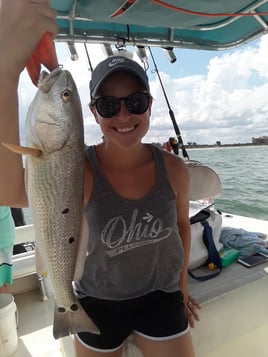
{"type": "Point", "coordinates": [72, 321]}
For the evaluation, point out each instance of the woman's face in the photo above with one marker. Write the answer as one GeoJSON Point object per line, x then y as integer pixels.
{"type": "Point", "coordinates": [124, 129]}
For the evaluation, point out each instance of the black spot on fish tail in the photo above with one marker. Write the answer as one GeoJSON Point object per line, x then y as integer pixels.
{"type": "Point", "coordinates": [72, 321]}
{"type": "Point", "coordinates": [61, 309]}
{"type": "Point", "coordinates": [74, 307]}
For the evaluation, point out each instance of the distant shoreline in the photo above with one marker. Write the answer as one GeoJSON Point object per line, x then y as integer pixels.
{"type": "Point", "coordinates": [208, 146]}
{"type": "Point", "coordinates": [204, 146]}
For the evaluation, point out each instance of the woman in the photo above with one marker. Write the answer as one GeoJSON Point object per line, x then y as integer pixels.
{"type": "Point", "coordinates": [135, 275]}
{"type": "Point", "coordinates": [7, 237]}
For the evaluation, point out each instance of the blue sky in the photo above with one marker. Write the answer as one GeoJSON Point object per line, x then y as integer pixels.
{"type": "Point", "coordinates": [186, 64]}
{"type": "Point", "coordinates": [191, 62]}
{"type": "Point", "coordinates": [215, 96]}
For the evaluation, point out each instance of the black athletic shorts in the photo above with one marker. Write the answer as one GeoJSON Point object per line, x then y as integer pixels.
{"type": "Point", "coordinates": [156, 316]}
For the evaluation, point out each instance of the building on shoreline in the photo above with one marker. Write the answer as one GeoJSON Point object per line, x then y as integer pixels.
{"type": "Point", "coordinates": [262, 140]}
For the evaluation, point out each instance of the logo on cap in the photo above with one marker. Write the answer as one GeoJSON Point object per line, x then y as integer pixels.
{"type": "Point", "coordinates": [115, 61]}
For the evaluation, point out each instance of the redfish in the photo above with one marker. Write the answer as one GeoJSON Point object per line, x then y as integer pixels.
{"type": "Point", "coordinates": [55, 181]}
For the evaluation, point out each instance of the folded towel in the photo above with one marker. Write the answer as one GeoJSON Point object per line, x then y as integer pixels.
{"type": "Point", "coordinates": [247, 243]}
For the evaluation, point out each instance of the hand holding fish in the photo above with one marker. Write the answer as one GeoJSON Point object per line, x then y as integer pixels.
{"type": "Point", "coordinates": [22, 25]}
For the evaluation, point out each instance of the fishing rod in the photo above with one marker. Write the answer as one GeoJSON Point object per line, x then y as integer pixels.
{"type": "Point", "coordinates": [171, 113]}
{"type": "Point", "coordinates": [88, 58]}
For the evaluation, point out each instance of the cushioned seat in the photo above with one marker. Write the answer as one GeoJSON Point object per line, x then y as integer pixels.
{"type": "Point", "coordinates": [204, 182]}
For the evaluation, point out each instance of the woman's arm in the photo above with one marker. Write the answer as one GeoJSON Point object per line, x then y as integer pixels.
{"type": "Point", "coordinates": [179, 179]}
{"type": "Point", "coordinates": [22, 24]}
{"type": "Point", "coordinates": [12, 189]}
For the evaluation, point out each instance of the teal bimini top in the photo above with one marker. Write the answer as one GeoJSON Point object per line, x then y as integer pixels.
{"type": "Point", "coordinates": [7, 227]}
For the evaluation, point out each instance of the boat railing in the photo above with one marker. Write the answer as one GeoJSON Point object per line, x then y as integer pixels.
{"type": "Point", "coordinates": [24, 263]}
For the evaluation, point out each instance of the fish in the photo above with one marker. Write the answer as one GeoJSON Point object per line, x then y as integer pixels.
{"type": "Point", "coordinates": [44, 53]}
{"type": "Point", "coordinates": [55, 165]}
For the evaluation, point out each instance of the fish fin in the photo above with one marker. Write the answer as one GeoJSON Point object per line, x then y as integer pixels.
{"type": "Point", "coordinates": [45, 53]}
{"type": "Point", "coordinates": [70, 322]}
{"type": "Point", "coordinates": [82, 322]}
{"type": "Point", "coordinates": [23, 150]}
{"type": "Point", "coordinates": [61, 324]}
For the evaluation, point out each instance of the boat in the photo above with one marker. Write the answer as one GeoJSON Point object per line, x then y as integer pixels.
{"type": "Point", "coordinates": [234, 318]}
{"type": "Point", "coordinates": [234, 305]}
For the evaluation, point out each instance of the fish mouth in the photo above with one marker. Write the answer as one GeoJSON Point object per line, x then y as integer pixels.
{"type": "Point", "coordinates": [46, 80]}
{"type": "Point", "coordinates": [51, 122]}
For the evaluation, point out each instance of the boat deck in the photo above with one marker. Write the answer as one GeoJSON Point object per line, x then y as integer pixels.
{"type": "Point", "coordinates": [234, 324]}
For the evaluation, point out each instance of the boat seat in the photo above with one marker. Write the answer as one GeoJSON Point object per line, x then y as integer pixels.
{"type": "Point", "coordinates": [204, 182]}
{"type": "Point", "coordinates": [24, 263]}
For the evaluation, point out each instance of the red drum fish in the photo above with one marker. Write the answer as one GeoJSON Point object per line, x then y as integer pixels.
{"type": "Point", "coordinates": [55, 181]}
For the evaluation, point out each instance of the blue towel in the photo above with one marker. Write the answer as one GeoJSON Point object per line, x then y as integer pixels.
{"type": "Point", "coordinates": [247, 243]}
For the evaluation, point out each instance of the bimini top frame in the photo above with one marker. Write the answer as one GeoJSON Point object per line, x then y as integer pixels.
{"type": "Point", "coordinates": [203, 24]}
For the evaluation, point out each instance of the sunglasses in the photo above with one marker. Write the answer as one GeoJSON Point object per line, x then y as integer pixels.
{"type": "Point", "coordinates": [108, 107]}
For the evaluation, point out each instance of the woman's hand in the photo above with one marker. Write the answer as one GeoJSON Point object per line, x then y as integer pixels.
{"type": "Point", "coordinates": [22, 24]}
{"type": "Point", "coordinates": [192, 307]}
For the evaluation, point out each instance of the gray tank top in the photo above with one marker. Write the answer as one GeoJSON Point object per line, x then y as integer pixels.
{"type": "Point", "coordinates": [134, 246]}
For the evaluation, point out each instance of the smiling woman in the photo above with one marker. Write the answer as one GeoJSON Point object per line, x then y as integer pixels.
{"type": "Point", "coordinates": [137, 209]}
{"type": "Point", "coordinates": [136, 206]}
{"type": "Point", "coordinates": [136, 196]}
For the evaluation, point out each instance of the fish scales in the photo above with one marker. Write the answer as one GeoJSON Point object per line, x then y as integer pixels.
{"type": "Point", "coordinates": [55, 183]}
{"type": "Point", "coordinates": [49, 219]}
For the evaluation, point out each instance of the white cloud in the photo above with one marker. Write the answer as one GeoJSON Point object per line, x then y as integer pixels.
{"type": "Point", "coordinates": [227, 103]}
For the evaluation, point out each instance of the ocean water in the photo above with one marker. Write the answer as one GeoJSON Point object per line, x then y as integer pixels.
{"type": "Point", "coordinates": [243, 172]}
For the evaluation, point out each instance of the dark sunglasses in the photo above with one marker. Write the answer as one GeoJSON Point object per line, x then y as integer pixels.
{"type": "Point", "coordinates": [108, 107]}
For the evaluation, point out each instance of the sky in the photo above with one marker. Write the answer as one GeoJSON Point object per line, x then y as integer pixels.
{"type": "Point", "coordinates": [215, 96]}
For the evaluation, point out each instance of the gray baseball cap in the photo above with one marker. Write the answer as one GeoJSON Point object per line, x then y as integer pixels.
{"type": "Point", "coordinates": [113, 64]}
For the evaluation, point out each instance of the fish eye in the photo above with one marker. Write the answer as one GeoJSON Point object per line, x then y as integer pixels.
{"type": "Point", "coordinates": [66, 95]}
